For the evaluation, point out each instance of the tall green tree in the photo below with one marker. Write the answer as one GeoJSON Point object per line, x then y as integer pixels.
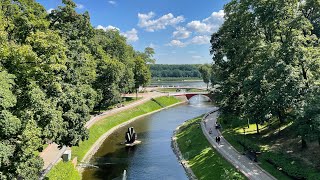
{"type": "Point", "coordinates": [205, 71]}
{"type": "Point", "coordinates": [142, 74]}
{"type": "Point", "coordinates": [266, 58]}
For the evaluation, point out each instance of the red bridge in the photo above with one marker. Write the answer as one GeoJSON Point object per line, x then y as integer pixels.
{"type": "Point", "coordinates": [191, 94]}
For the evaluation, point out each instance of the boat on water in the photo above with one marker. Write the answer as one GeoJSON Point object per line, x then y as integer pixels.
{"type": "Point", "coordinates": [131, 137]}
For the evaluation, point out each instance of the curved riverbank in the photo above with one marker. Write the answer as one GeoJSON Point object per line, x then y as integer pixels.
{"type": "Point", "coordinates": [176, 150]}
{"type": "Point", "coordinates": [204, 161]}
{"type": "Point", "coordinates": [102, 138]}
{"type": "Point", "coordinates": [101, 128]}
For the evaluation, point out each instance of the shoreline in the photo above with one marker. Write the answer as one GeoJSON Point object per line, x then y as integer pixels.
{"type": "Point", "coordinates": [177, 152]}
{"type": "Point", "coordinates": [95, 147]}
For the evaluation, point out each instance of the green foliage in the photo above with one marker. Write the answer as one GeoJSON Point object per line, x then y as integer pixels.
{"type": "Point", "coordinates": [204, 161]}
{"type": "Point", "coordinates": [166, 70]}
{"type": "Point", "coordinates": [54, 69]}
{"type": "Point", "coordinates": [267, 61]}
{"type": "Point", "coordinates": [63, 171]}
{"type": "Point", "coordinates": [101, 127]}
{"type": "Point", "coordinates": [291, 166]}
{"type": "Point", "coordinates": [205, 71]}
{"type": "Point", "coordinates": [141, 73]}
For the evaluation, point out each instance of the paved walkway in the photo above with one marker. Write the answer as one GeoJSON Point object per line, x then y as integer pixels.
{"type": "Point", "coordinates": [52, 153]}
{"type": "Point", "coordinates": [250, 169]}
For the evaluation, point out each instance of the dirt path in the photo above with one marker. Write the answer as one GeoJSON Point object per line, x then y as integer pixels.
{"type": "Point", "coordinates": [249, 168]}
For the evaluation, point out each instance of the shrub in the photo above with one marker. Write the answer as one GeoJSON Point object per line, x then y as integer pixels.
{"type": "Point", "coordinates": [291, 166]}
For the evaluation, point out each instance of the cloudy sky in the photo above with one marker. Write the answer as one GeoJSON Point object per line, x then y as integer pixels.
{"type": "Point", "coordinates": [178, 30]}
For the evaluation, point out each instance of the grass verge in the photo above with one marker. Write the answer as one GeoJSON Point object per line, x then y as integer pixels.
{"type": "Point", "coordinates": [63, 171]}
{"type": "Point", "coordinates": [125, 101]}
{"type": "Point", "coordinates": [205, 162]}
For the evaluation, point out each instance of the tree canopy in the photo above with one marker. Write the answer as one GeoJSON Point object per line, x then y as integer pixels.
{"type": "Point", "coordinates": [175, 70]}
{"type": "Point", "coordinates": [54, 70]}
{"type": "Point", "coordinates": [267, 62]}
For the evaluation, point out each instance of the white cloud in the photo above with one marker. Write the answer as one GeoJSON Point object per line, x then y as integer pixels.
{"type": "Point", "coordinates": [208, 25]}
{"type": "Point", "coordinates": [132, 35]}
{"type": "Point", "coordinates": [112, 2]}
{"type": "Point", "coordinates": [49, 10]}
{"type": "Point", "coordinates": [195, 40]}
{"type": "Point", "coordinates": [199, 27]}
{"type": "Point", "coordinates": [215, 18]}
{"type": "Point", "coordinates": [151, 25]}
{"type": "Point", "coordinates": [80, 6]}
{"type": "Point", "coordinates": [176, 43]}
{"type": "Point", "coordinates": [200, 40]}
{"type": "Point", "coordinates": [181, 33]}
{"type": "Point", "coordinates": [107, 28]}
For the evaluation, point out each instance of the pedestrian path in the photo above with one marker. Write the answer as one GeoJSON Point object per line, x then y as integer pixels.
{"type": "Point", "coordinates": [249, 168]}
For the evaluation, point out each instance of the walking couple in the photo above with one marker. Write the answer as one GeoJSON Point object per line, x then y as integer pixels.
{"type": "Point", "coordinates": [218, 139]}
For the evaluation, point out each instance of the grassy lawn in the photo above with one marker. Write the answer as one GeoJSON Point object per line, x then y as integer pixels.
{"type": "Point", "coordinates": [63, 171]}
{"type": "Point", "coordinates": [125, 101]}
{"type": "Point", "coordinates": [205, 162]}
{"type": "Point", "coordinates": [279, 146]}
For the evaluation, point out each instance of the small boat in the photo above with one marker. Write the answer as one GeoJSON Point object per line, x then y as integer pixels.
{"type": "Point", "coordinates": [131, 137]}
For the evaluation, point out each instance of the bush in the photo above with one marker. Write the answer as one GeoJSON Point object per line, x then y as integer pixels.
{"type": "Point", "coordinates": [247, 144]}
{"type": "Point", "coordinates": [291, 166]}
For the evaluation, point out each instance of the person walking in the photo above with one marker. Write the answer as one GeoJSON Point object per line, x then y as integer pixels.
{"type": "Point", "coordinates": [218, 140]}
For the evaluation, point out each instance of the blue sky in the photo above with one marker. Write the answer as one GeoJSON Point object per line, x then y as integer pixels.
{"type": "Point", "coordinates": [178, 30]}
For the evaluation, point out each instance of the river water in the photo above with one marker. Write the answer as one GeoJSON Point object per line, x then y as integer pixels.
{"type": "Point", "coordinates": [153, 158]}
{"type": "Point", "coordinates": [198, 84]}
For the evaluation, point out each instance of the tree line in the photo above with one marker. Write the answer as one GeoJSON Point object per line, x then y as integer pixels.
{"type": "Point", "coordinates": [54, 69]}
{"type": "Point", "coordinates": [174, 70]}
{"type": "Point", "coordinates": [267, 63]}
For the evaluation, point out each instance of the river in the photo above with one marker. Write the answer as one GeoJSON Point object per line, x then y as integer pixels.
{"type": "Point", "coordinates": [153, 158]}
{"type": "Point", "coordinates": [197, 84]}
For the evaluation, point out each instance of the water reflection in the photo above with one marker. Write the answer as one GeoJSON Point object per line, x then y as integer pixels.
{"type": "Point", "coordinates": [153, 158]}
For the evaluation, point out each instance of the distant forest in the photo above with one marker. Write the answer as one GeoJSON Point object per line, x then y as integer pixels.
{"type": "Point", "coordinates": [182, 70]}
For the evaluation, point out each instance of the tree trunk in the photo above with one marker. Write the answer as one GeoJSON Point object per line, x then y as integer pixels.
{"type": "Point", "coordinates": [281, 119]}
{"type": "Point", "coordinates": [207, 86]}
{"type": "Point", "coordinates": [303, 143]}
{"type": "Point", "coordinates": [257, 124]}
{"type": "Point", "coordinates": [100, 104]}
